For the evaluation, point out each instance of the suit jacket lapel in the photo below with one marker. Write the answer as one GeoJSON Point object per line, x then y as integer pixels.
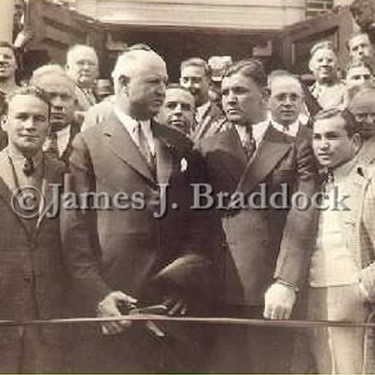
{"type": "Point", "coordinates": [51, 179]}
{"type": "Point", "coordinates": [231, 156]}
{"type": "Point", "coordinates": [8, 188]}
{"type": "Point", "coordinates": [273, 147]}
{"type": "Point", "coordinates": [121, 143]}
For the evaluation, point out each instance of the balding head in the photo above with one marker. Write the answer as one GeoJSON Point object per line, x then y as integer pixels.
{"type": "Point", "coordinates": [82, 65]}
{"type": "Point", "coordinates": [140, 77]}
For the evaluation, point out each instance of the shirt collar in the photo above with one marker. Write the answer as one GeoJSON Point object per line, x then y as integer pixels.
{"type": "Point", "coordinates": [129, 122]}
{"type": "Point", "coordinates": [344, 170]}
{"type": "Point", "coordinates": [291, 129]}
{"type": "Point", "coordinates": [258, 131]}
{"type": "Point", "coordinates": [19, 158]}
{"type": "Point", "coordinates": [202, 109]}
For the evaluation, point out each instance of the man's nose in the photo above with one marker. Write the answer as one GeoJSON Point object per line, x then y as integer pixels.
{"type": "Point", "coordinates": [57, 103]}
{"type": "Point", "coordinates": [177, 109]}
{"type": "Point", "coordinates": [161, 88]}
{"type": "Point", "coordinates": [324, 144]}
{"type": "Point", "coordinates": [57, 108]}
{"type": "Point", "coordinates": [231, 97]}
{"type": "Point", "coordinates": [29, 123]}
{"type": "Point", "coordinates": [287, 101]}
{"type": "Point", "coordinates": [369, 120]}
{"type": "Point", "coordinates": [86, 65]}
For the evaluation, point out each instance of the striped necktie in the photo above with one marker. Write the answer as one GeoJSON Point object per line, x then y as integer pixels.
{"type": "Point", "coordinates": [144, 147]}
{"type": "Point", "coordinates": [249, 144]}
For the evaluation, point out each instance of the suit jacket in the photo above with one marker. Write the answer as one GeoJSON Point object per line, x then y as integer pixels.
{"type": "Point", "coordinates": [366, 153]}
{"type": "Point", "coordinates": [261, 245]}
{"type": "Point", "coordinates": [84, 100]}
{"type": "Point", "coordinates": [212, 122]}
{"type": "Point", "coordinates": [74, 130]}
{"type": "Point", "coordinates": [32, 272]}
{"type": "Point", "coordinates": [124, 249]}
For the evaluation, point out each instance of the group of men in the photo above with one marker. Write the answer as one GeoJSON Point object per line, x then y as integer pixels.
{"type": "Point", "coordinates": [159, 200]}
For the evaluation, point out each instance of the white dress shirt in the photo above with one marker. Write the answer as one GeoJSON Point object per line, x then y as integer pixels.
{"type": "Point", "coordinates": [290, 130]}
{"type": "Point", "coordinates": [201, 111]}
{"type": "Point", "coordinates": [258, 132]}
{"type": "Point", "coordinates": [131, 126]}
{"type": "Point", "coordinates": [63, 137]}
{"type": "Point", "coordinates": [332, 262]}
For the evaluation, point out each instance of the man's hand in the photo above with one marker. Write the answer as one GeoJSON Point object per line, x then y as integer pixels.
{"type": "Point", "coordinates": [109, 307]}
{"type": "Point", "coordinates": [175, 306]}
{"type": "Point", "coordinates": [279, 300]}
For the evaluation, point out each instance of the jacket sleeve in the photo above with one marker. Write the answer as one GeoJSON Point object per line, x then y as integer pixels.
{"type": "Point", "coordinates": [300, 227]}
{"type": "Point", "coordinates": [78, 227]}
{"type": "Point", "coordinates": [366, 240]}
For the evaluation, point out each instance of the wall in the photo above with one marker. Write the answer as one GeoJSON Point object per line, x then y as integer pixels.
{"type": "Point", "coordinates": [211, 14]}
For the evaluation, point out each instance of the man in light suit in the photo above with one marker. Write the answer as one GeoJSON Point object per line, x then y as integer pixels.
{"type": "Point", "coordinates": [126, 257]}
{"type": "Point", "coordinates": [32, 270]}
{"type": "Point", "coordinates": [195, 76]}
{"type": "Point", "coordinates": [342, 273]}
{"type": "Point", "coordinates": [265, 249]}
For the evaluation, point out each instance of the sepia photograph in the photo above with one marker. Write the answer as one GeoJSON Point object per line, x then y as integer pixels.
{"type": "Point", "coordinates": [187, 186]}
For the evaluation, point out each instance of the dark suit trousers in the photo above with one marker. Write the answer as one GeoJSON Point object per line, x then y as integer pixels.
{"type": "Point", "coordinates": [136, 350]}
{"type": "Point", "coordinates": [251, 349]}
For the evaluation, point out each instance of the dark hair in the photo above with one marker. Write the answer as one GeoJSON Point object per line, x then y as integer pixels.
{"type": "Point", "coordinates": [27, 90]}
{"type": "Point", "coordinates": [250, 68]}
{"type": "Point", "coordinates": [357, 4]}
{"type": "Point", "coordinates": [351, 126]}
{"type": "Point", "coordinates": [197, 61]}
{"type": "Point", "coordinates": [354, 35]}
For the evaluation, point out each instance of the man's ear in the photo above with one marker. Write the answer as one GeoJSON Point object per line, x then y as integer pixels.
{"type": "Point", "coordinates": [266, 92]}
{"type": "Point", "coordinates": [4, 122]}
{"type": "Point", "coordinates": [123, 83]}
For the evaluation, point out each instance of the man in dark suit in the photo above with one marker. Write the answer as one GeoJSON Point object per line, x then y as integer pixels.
{"type": "Point", "coordinates": [266, 246]}
{"type": "Point", "coordinates": [31, 271]}
{"type": "Point", "coordinates": [53, 79]}
{"type": "Point", "coordinates": [118, 254]}
{"type": "Point", "coordinates": [195, 76]}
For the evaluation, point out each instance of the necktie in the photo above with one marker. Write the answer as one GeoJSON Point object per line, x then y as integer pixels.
{"type": "Point", "coordinates": [50, 146]}
{"type": "Point", "coordinates": [249, 144]}
{"type": "Point", "coordinates": [28, 167]}
{"type": "Point", "coordinates": [144, 147]}
{"type": "Point", "coordinates": [329, 179]}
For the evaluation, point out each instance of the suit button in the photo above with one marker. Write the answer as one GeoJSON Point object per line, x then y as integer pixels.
{"type": "Point", "coordinates": [27, 278]}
